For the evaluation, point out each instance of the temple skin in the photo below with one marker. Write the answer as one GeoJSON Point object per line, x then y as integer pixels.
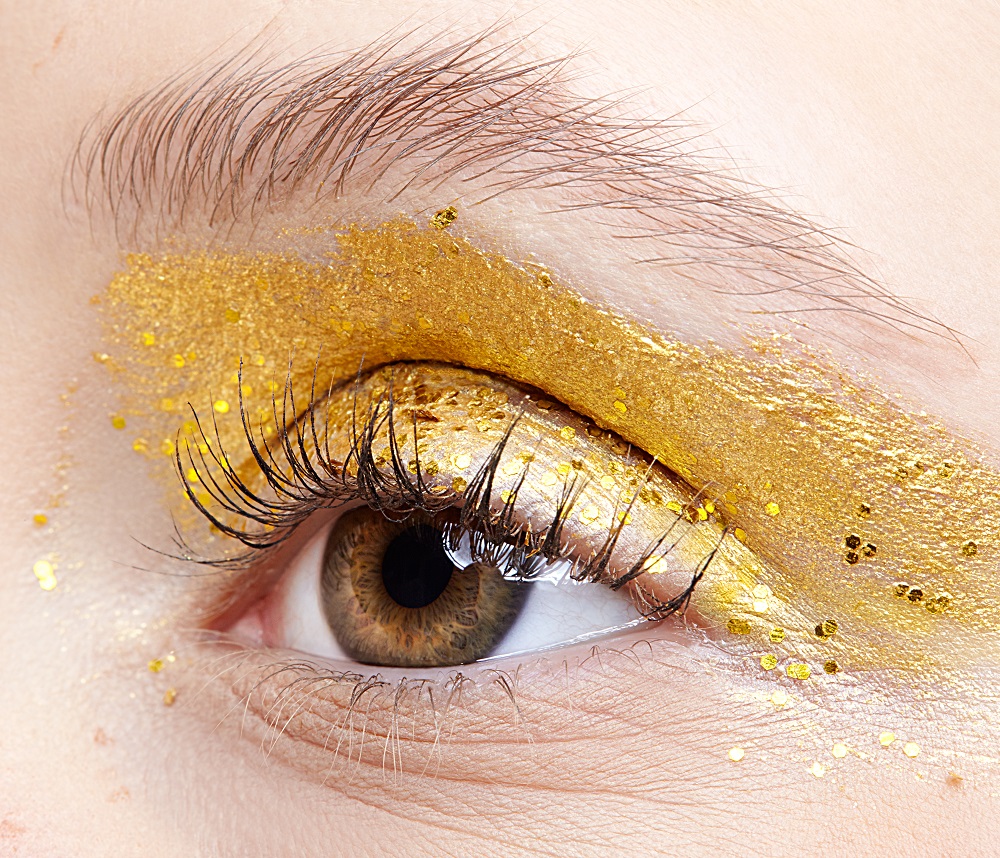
{"type": "Point", "coordinates": [822, 103]}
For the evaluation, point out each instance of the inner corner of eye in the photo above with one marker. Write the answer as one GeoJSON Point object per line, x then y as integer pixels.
{"type": "Point", "coordinates": [478, 518]}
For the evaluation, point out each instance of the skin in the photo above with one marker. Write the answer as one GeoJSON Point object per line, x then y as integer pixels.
{"type": "Point", "coordinates": [861, 111]}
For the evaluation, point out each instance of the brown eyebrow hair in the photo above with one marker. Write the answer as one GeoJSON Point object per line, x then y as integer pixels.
{"type": "Point", "coordinates": [233, 141]}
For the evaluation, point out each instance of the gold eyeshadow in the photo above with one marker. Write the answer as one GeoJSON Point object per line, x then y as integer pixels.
{"type": "Point", "coordinates": [870, 533]}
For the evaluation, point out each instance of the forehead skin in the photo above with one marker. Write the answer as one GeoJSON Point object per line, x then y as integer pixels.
{"type": "Point", "coordinates": [863, 115]}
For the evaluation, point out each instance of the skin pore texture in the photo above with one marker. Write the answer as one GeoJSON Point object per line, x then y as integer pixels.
{"type": "Point", "coordinates": [843, 437]}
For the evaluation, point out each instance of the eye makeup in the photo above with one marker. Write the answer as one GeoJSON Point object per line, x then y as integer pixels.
{"type": "Point", "coordinates": [869, 533]}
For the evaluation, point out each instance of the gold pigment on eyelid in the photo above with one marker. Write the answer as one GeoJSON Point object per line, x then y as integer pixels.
{"type": "Point", "coordinates": [833, 454]}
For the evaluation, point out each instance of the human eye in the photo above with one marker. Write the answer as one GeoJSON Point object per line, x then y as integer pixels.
{"type": "Point", "coordinates": [473, 518]}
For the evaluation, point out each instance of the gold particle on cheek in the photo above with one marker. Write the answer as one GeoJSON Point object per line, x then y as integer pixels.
{"type": "Point", "coordinates": [118, 421]}
{"type": "Point", "coordinates": [459, 484]}
{"type": "Point", "coordinates": [156, 665]}
{"type": "Point", "coordinates": [831, 667]}
{"type": "Point", "coordinates": [620, 407]}
{"type": "Point", "coordinates": [169, 696]}
{"type": "Point", "coordinates": [817, 770]}
{"type": "Point", "coordinates": [567, 433]}
{"type": "Point", "coordinates": [769, 661]}
{"type": "Point", "coordinates": [776, 635]}
{"type": "Point", "coordinates": [772, 508]}
{"type": "Point", "coordinates": [178, 361]}
{"type": "Point", "coordinates": [444, 218]}
{"type": "Point", "coordinates": [911, 749]}
{"type": "Point", "coordinates": [761, 591]}
{"type": "Point", "coordinates": [738, 626]}
{"type": "Point", "coordinates": [40, 519]}
{"type": "Point", "coordinates": [970, 549]}
{"type": "Point", "coordinates": [798, 671]}
{"type": "Point", "coordinates": [886, 738]}
{"type": "Point", "coordinates": [232, 316]}
{"type": "Point", "coordinates": [839, 750]}
{"type": "Point", "coordinates": [736, 754]}
{"type": "Point", "coordinates": [148, 338]}
{"type": "Point", "coordinates": [779, 697]}
{"type": "Point", "coordinates": [852, 541]}
{"type": "Point", "coordinates": [45, 573]}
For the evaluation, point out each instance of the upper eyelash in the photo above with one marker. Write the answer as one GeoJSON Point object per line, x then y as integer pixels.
{"type": "Point", "coordinates": [304, 485]}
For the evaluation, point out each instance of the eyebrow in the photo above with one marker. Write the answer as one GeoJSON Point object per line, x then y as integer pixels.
{"type": "Point", "coordinates": [233, 141]}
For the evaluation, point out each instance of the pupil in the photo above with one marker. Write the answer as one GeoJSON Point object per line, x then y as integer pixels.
{"type": "Point", "coordinates": [415, 568]}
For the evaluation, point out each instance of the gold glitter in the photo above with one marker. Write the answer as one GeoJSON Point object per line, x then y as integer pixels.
{"type": "Point", "coordinates": [852, 541]}
{"type": "Point", "coordinates": [869, 549]}
{"type": "Point", "coordinates": [886, 738]}
{"type": "Point", "coordinates": [937, 604]}
{"type": "Point", "coordinates": [167, 447]}
{"type": "Point", "coordinates": [169, 696]}
{"type": "Point", "coordinates": [156, 665]}
{"type": "Point", "coordinates": [607, 482]}
{"type": "Point", "coordinates": [738, 626]}
{"type": "Point", "coordinates": [140, 445]}
{"type": "Point", "coordinates": [461, 461]}
{"type": "Point", "coordinates": [760, 606]}
{"type": "Point", "coordinates": [232, 316]}
{"type": "Point", "coordinates": [769, 662]}
{"type": "Point", "coordinates": [459, 484]}
{"type": "Point", "coordinates": [798, 671]}
{"type": "Point", "coordinates": [40, 519]}
{"type": "Point", "coordinates": [148, 339]}
{"type": "Point", "coordinates": [761, 591]}
{"type": "Point", "coordinates": [444, 218]}
{"type": "Point", "coordinates": [118, 421]}
{"type": "Point", "coordinates": [839, 750]}
{"type": "Point", "coordinates": [736, 754]}
{"type": "Point", "coordinates": [831, 667]}
{"type": "Point", "coordinates": [178, 361]}
{"type": "Point", "coordinates": [900, 589]}
{"type": "Point", "coordinates": [817, 770]}
{"type": "Point", "coordinates": [776, 635]}
{"type": "Point", "coordinates": [382, 278]}
{"type": "Point", "coordinates": [567, 433]}
{"type": "Point", "coordinates": [779, 697]}
{"type": "Point", "coordinates": [590, 514]}
{"type": "Point", "coordinates": [655, 565]}
{"type": "Point", "coordinates": [192, 475]}
{"type": "Point", "coordinates": [772, 508]}
{"type": "Point", "coordinates": [544, 278]}
{"type": "Point", "coordinates": [549, 478]}
{"type": "Point", "coordinates": [620, 407]}
{"type": "Point", "coordinates": [970, 549]}
{"type": "Point", "coordinates": [911, 749]}
{"type": "Point", "coordinates": [221, 406]}
{"type": "Point", "coordinates": [915, 594]}
{"type": "Point", "coordinates": [45, 572]}
{"type": "Point", "coordinates": [826, 629]}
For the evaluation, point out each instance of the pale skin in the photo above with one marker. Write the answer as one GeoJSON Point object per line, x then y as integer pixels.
{"type": "Point", "coordinates": [882, 124]}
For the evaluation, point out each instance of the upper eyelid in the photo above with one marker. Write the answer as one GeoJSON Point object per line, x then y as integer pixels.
{"type": "Point", "coordinates": [247, 134]}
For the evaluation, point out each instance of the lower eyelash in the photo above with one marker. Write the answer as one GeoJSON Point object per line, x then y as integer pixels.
{"type": "Point", "coordinates": [303, 478]}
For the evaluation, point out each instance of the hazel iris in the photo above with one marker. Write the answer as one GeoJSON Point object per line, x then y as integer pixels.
{"type": "Point", "coordinates": [393, 597]}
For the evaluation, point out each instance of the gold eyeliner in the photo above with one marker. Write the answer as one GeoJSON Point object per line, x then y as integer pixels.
{"type": "Point", "coordinates": [860, 514]}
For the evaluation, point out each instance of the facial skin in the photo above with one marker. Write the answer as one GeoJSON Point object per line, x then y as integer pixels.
{"type": "Point", "coordinates": [878, 133]}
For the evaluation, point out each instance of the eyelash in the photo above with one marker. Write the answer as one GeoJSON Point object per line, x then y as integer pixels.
{"type": "Point", "coordinates": [304, 478]}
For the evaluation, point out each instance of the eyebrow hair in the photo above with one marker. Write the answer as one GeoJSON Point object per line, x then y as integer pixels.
{"type": "Point", "coordinates": [234, 141]}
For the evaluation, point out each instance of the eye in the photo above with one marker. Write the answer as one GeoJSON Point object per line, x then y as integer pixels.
{"type": "Point", "coordinates": [471, 518]}
{"type": "Point", "coordinates": [402, 593]}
